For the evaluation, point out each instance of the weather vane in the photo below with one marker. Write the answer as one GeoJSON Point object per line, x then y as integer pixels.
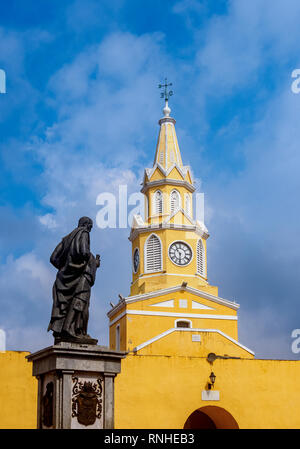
{"type": "Point", "coordinates": [165, 94]}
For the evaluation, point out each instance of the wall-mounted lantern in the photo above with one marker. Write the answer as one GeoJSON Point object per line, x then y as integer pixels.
{"type": "Point", "coordinates": [212, 379]}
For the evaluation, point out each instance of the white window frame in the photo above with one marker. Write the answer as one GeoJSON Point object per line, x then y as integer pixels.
{"type": "Point", "coordinates": [179, 202]}
{"type": "Point", "coordinates": [154, 204]}
{"type": "Point", "coordinates": [145, 255]}
{"type": "Point", "coordinates": [200, 244]}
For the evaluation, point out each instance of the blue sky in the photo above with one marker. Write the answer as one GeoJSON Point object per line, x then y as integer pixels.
{"type": "Point", "coordinates": [80, 117]}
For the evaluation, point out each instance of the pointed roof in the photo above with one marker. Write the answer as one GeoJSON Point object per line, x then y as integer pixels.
{"type": "Point", "coordinates": [167, 155]}
{"type": "Point", "coordinates": [167, 150]}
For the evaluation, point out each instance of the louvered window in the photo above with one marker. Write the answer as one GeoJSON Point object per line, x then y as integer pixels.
{"type": "Point", "coordinates": [172, 158]}
{"type": "Point", "coordinates": [161, 158]}
{"type": "Point", "coordinates": [200, 258]}
{"type": "Point", "coordinates": [153, 254]}
{"type": "Point", "coordinates": [158, 202]}
{"type": "Point", "coordinates": [187, 204]}
{"type": "Point", "coordinates": [175, 201]}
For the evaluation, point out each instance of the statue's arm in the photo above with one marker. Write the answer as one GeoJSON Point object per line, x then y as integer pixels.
{"type": "Point", "coordinates": [98, 260]}
{"type": "Point", "coordinates": [54, 258]}
{"type": "Point", "coordinates": [85, 245]}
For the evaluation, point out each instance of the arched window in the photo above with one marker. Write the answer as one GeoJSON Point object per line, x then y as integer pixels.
{"type": "Point", "coordinates": [183, 323]}
{"type": "Point", "coordinates": [153, 254]}
{"type": "Point", "coordinates": [201, 265]}
{"type": "Point", "coordinates": [158, 202]}
{"type": "Point", "coordinates": [187, 205]}
{"type": "Point", "coordinates": [174, 201]}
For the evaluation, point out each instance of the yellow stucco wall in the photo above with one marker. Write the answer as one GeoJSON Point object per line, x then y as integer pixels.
{"type": "Point", "coordinates": [18, 392]}
{"type": "Point", "coordinates": [155, 391]}
{"type": "Point", "coordinates": [182, 342]}
{"type": "Point", "coordinates": [161, 392]}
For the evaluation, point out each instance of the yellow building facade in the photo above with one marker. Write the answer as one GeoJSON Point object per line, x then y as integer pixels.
{"type": "Point", "coordinates": [179, 333]}
{"type": "Point", "coordinates": [185, 366]}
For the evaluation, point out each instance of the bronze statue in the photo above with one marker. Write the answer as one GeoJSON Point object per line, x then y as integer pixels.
{"type": "Point", "coordinates": [72, 288]}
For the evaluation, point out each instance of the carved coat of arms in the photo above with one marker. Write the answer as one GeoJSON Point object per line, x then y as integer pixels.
{"type": "Point", "coordinates": [87, 401]}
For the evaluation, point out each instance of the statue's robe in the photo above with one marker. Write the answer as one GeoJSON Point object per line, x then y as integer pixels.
{"type": "Point", "coordinates": [72, 287]}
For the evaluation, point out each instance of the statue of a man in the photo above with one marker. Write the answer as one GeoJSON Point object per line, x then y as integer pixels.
{"type": "Point", "coordinates": [72, 288]}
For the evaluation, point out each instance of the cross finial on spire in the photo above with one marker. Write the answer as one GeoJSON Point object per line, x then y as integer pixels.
{"type": "Point", "coordinates": [165, 94]}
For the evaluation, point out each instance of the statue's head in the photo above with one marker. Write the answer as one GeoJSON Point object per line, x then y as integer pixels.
{"type": "Point", "coordinates": [85, 222]}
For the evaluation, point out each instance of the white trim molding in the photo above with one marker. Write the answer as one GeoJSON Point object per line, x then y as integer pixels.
{"type": "Point", "coordinates": [168, 303]}
{"type": "Point", "coordinates": [168, 181]}
{"type": "Point", "coordinates": [164, 291]}
{"type": "Point", "coordinates": [146, 270]}
{"type": "Point", "coordinates": [185, 321]}
{"type": "Point", "coordinates": [186, 329]}
{"type": "Point", "coordinates": [163, 273]}
{"type": "Point", "coordinates": [173, 314]}
{"type": "Point", "coordinates": [174, 201]}
{"type": "Point", "coordinates": [166, 225]}
{"type": "Point", "coordinates": [157, 203]}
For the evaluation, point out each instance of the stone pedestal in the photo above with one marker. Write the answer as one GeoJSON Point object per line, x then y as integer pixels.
{"type": "Point", "coordinates": [76, 385]}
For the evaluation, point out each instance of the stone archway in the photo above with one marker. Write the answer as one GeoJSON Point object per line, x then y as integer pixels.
{"type": "Point", "coordinates": [211, 417]}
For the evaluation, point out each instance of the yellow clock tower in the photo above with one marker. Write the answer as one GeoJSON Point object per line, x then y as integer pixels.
{"type": "Point", "coordinates": [169, 293]}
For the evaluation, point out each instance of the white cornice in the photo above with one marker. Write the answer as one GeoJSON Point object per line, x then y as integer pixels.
{"type": "Point", "coordinates": [168, 181]}
{"type": "Point", "coordinates": [164, 291]}
{"type": "Point", "coordinates": [182, 170]}
{"type": "Point", "coordinates": [207, 316]}
{"type": "Point", "coordinates": [164, 273]}
{"type": "Point", "coordinates": [156, 227]}
{"type": "Point", "coordinates": [166, 120]}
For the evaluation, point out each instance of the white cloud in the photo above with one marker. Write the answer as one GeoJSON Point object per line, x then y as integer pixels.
{"type": "Point", "coordinates": [48, 221]}
{"type": "Point", "coordinates": [28, 276]}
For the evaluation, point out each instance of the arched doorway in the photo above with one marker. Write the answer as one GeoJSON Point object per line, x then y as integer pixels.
{"type": "Point", "coordinates": [211, 417]}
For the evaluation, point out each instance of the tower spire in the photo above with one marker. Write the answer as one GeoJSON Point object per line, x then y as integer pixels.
{"type": "Point", "coordinates": [167, 149]}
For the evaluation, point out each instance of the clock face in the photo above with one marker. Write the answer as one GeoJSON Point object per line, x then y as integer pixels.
{"type": "Point", "coordinates": [180, 253]}
{"type": "Point", "coordinates": [136, 259]}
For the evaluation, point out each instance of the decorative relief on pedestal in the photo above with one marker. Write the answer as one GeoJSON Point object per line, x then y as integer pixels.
{"type": "Point", "coordinates": [47, 404]}
{"type": "Point", "coordinates": [87, 401]}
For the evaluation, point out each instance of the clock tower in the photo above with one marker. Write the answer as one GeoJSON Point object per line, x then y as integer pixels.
{"type": "Point", "coordinates": [168, 244]}
{"type": "Point", "coordinates": [169, 290]}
